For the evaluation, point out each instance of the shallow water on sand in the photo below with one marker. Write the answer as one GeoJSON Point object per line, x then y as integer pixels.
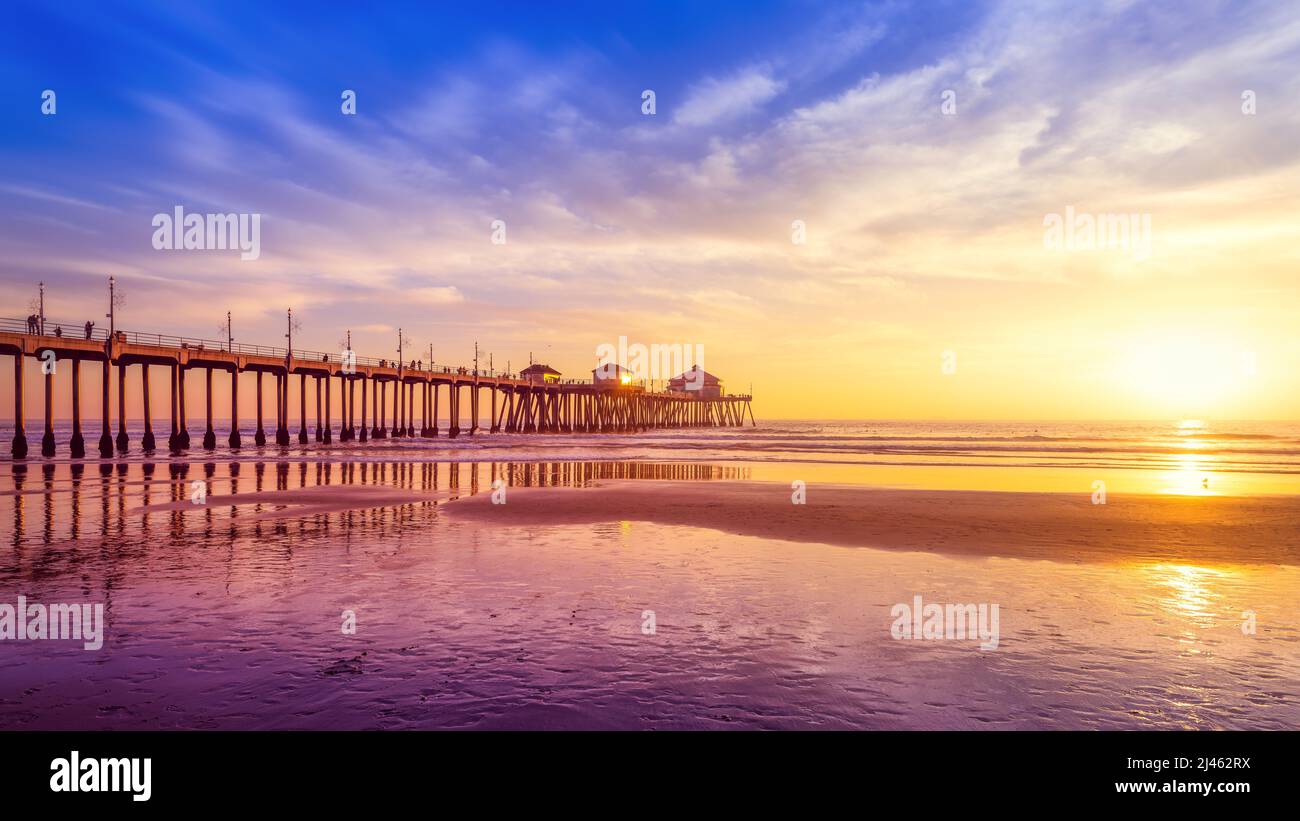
{"type": "Point", "coordinates": [230, 617]}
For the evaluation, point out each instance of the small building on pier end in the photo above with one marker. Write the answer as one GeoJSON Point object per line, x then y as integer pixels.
{"type": "Point", "coordinates": [540, 374]}
{"type": "Point", "coordinates": [696, 382]}
{"type": "Point", "coordinates": [611, 374]}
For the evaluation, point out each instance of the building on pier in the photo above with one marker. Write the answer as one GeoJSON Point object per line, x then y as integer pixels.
{"type": "Point", "coordinates": [611, 373]}
{"type": "Point", "coordinates": [540, 374]}
{"type": "Point", "coordinates": [696, 382]}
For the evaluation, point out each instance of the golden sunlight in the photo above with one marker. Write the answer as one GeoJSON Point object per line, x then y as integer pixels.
{"type": "Point", "coordinates": [1191, 477]}
{"type": "Point", "coordinates": [1189, 592]}
{"type": "Point", "coordinates": [1186, 372]}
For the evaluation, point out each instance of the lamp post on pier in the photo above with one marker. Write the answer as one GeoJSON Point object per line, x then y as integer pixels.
{"type": "Point", "coordinates": [111, 316]}
{"type": "Point", "coordinates": [282, 385]}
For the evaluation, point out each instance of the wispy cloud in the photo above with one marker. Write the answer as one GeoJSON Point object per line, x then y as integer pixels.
{"type": "Point", "coordinates": [719, 100]}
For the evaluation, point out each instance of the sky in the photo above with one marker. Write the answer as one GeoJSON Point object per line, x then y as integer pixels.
{"type": "Point", "coordinates": [848, 205]}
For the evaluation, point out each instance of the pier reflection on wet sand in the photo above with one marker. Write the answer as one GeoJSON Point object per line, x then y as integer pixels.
{"type": "Point", "coordinates": [68, 502]}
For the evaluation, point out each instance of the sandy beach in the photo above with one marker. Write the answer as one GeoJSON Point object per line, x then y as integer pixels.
{"type": "Point", "coordinates": [1046, 526]}
{"type": "Point", "coordinates": [533, 613]}
{"type": "Point", "coordinates": [1052, 526]}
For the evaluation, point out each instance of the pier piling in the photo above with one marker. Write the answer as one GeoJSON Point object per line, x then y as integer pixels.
{"type": "Point", "coordinates": [259, 436]}
{"type": "Point", "coordinates": [121, 408]}
{"type": "Point", "coordinates": [282, 409]}
{"type": "Point", "coordinates": [328, 436]}
{"type": "Point", "coordinates": [302, 409]}
{"type": "Point", "coordinates": [106, 434]}
{"type": "Point", "coordinates": [148, 443]}
{"type": "Point", "coordinates": [19, 447]}
{"type": "Point", "coordinates": [209, 435]}
{"type": "Point", "coordinates": [183, 435]}
{"type": "Point", "coordinates": [365, 381]}
{"type": "Point", "coordinates": [234, 441]}
{"type": "Point", "coordinates": [47, 439]}
{"type": "Point", "coordinates": [77, 446]}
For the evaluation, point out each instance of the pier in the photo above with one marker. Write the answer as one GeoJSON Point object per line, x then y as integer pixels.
{"type": "Point", "coordinates": [396, 400]}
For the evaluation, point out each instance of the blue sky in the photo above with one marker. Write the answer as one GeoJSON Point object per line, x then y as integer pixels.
{"type": "Point", "coordinates": [671, 228]}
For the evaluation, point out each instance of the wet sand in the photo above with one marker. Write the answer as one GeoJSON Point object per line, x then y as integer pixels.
{"type": "Point", "coordinates": [1054, 526]}
{"type": "Point", "coordinates": [308, 501]}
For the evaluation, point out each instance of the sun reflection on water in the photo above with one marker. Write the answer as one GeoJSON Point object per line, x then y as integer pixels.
{"type": "Point", "coordinates": [1191, 594]}
{"type": "Point", "coordinates": [1191, 474]}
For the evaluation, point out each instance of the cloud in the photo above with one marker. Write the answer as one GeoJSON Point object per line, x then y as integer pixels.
{"type": "Point", "coordinates": [434, 295]}
{"type": "Point", "coordinates": [721, 100]}
{"type": "Point", "coordinates": [46, 196]}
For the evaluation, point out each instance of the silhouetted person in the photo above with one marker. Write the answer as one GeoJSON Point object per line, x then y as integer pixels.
{"type": "Point", "coordinates": [32, 323]}
{"type": "Point", "coordinates": [58, 331]}
{"type": "Point", "coordinates": [90, 326]}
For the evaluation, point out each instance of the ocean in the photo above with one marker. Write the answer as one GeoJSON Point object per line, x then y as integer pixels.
{"type": "Point", "coordinates": [1189, 456]}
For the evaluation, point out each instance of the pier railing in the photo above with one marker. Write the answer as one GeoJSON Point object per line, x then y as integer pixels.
{"type": "Point", "coordinates": [71, 330]}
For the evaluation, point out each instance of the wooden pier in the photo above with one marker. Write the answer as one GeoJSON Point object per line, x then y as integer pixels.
{"type": "Point", "coordinates": [392, 394]}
